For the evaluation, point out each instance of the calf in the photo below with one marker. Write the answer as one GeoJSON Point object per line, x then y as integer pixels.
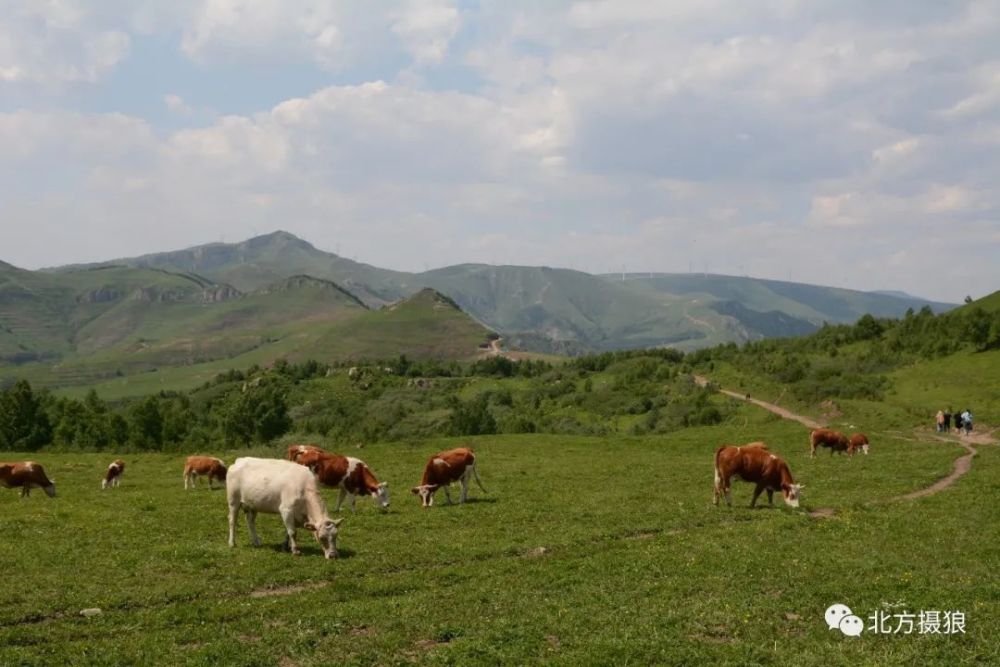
{"type": "Point", "coordinates": [754, 463]}
{"type": "Point", "coordinates": [26, 474]}
{"type": "Point", "coordinates": [296, 451]}
{"type": "Point", "coordinates": [203, 466]}
{"type": "Point", "coordinates": [274, 486]}
{"type": "Point", "coordinates": [824, 437]}
{"type": "Point", "coordinates": [444, 468]}
{"type": "Point", "coordinates": [350, 475]}
{"type": "Point", "coordinates": [858, 441]}
{"type": "Point", "coordinates": [114, 474]}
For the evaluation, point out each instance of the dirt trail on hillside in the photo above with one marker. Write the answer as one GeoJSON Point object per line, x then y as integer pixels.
{"type": "Point", "coordinates": [963, 464]}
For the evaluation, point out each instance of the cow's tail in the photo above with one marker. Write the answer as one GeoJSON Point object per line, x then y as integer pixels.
{"type": "Point", "coordinates": [475, 473]}
{"type": "Point", "coordinates": [718, 473]}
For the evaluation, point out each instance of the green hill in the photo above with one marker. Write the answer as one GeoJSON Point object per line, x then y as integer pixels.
{"type": "Point", "coordinates": [546, 309]}
{"type": "Point", "coordinates": [93, 325]}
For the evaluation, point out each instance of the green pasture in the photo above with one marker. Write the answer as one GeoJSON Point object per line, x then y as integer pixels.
{"type": "Point", "coordinates": [586, 551]}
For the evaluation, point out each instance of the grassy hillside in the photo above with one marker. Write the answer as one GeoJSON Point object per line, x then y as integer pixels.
{"type": "Point", "coordinates": [805, 302]}
{"type": "Point", "coordinates": [116, 324]}
{"type": "Point", "coordinates": [554, 566]}
{"type": "Point", "coordinates": [263, 260]}
{"type": "Point", "coordinates": [426, 325]}
{"type": "Point", "coordinates": [556, 310]}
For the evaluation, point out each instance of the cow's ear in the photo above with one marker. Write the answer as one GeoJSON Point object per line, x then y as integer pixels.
{"type": "Point", "coordinates": [309, 526]}
{"type": "Point", "coordinates": [383, 485]}
{"type": "Point", "coordinates": [336, 522]}
{"type": "Point", "coordinates": [415, 490]}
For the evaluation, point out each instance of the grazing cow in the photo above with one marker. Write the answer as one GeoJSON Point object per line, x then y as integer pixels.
{"type": "Point", "coordinates": [114, 474]}
{"type": "Point", "coordinates": [858, 441]}
{"type": "Point", "coordinates": [754, 463]}
{"type": "Point", "coordinates": [350, 475]}
{"type": "Point", "coordinates": [26, 474]}
{"type": "Point", "coordinates": [296, 451]}
{"type": "Point", "coordinates": [824, 437]}
{"type": "Point", "coordinates": [203, 466]}
{"type": "Point", "coordinates": [274, 486]}
{"type": "Point", "coordinates": [444, 468]}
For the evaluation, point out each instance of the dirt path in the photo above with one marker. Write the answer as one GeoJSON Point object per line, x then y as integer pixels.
{"type": "Point", "coordinates": [963, 464]}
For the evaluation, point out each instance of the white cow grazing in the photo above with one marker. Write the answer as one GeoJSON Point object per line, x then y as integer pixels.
{"type": "Point", "coordinates": [274, 486]}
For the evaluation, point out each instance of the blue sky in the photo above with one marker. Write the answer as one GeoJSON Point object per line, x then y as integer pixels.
{"type": "Point", "coordinates": [844, 143]}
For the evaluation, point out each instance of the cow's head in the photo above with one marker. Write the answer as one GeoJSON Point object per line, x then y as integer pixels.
{"type": "Point", "coordinates": [864, 448]}
{"type": "Point", "coordinates": [792, 493]}
{"type": "Point", "coordinates": [51, 488]}
{"type": "Point", "coordinates": [326, 535]}
{"type": "Point", "coordinates": [221, 472]}
{"type": "Point", "coordinates": [382, 495]}
{"type": "Point", "coordinates": [426, 493]}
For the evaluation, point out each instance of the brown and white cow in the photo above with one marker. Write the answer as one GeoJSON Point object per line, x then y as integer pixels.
{"type": "Point", "coordinates": [444, 468]}
{"type": "Point", "coordinates": [26, 474]}
{"type": "Point", "coordinates": [858, 441]}
{"type": "Point", "coordinates": [825, 437]}
{"type": "Point", "coordinates": [350, 475]}
{"type": "Point", "coordinates": [296, 451]}
{"type": "Point", "coordinates": [756, 464]}
{"type": "Point", "coordinates": [203, 466]}
{"type": "Point", "coordinates": [114, 474]}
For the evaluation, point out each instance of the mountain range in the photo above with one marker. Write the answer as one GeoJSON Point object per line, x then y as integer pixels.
{"type": "Point", "coordinates": [277, 295]}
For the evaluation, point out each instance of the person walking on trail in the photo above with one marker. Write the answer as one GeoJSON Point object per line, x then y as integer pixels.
{"type": "Point", "coordinates": [958, 422]}
{"type": "Point", "coordinates": [967, 421]}
{"type": "Point", "coordinates": [939, 420]}
{"type": "Point", "coordinates": [947, 421]}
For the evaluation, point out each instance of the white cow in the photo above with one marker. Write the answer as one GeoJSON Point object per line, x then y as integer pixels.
{"type": "Point", "coordinates": [274, 486]}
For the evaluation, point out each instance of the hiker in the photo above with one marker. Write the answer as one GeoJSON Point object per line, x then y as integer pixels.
{"type": "Point", "coordinates": [967, 421]}
{"type": "Point", "coordinates": [939, 420]}
{"type": "Point", "coordinates": [947, 421]}
{"type": "Point", "coordinates": [958, 422]}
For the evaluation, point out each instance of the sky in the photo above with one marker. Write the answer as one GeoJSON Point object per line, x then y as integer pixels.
{"type": "Point", "coordinates": [843, 142]}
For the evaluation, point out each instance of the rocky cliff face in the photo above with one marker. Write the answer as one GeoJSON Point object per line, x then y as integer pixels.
{"type": "Point", "coordinates": [217, 293]}
{"type": "Point", "coordinates": [102, 295]}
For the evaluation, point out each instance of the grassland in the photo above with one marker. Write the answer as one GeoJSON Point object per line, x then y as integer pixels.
{"type": "Point", "coordinates": [586, 551]}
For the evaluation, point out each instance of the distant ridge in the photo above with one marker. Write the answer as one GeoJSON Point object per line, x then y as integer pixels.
{"type": "Point", "coordinates": [544, 308]}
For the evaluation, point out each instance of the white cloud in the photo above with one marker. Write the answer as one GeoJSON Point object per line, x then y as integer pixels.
{"type": "Point", "coordinates": [54, 43]}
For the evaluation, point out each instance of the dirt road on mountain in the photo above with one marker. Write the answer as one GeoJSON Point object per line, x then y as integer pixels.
{"type": "Point", "coordinates": [963, 464]}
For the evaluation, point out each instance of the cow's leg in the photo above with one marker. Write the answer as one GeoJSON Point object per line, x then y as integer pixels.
{"type": "Point", "coordinates": [340, 498]}
{"type": "Point", "coordinates": [770, 496]}
{"type": "Point", "coordinates": [354, 498]}
{"type": "Point", "coordinates": [756, 493]}
{"type": "Point", "coordinates": [465, 487]}
{"type": "Point", "coordinates": [812, 449]}
{"type": "Point", "coordinates": [288, 516]}
{"type": "Point", "coordinates": [447, 494]}
{"type": "Point", "coordinates": [727, 489]}
{"type": "Point", "coordinates": [25, 491]}
{"type": "Point", "coordinates": [234, 513]}
{"type": "Point", "coordinates": [252, 526]}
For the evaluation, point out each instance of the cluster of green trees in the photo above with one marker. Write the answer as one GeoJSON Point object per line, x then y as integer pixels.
{"type": "Point", "coordinates": [636, 391]}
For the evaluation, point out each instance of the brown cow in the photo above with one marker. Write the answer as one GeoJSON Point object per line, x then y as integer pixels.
{"type": "Point", "coordinates": [197, 466]}
{"type": "Point", "coordinates": [296, 451]}
{"type": "Point", "coordinates": [444, 468]}
{"type": "Point", "coordinates": [26, 474]}
{"type": "Point", "coordinates": [754, 463]}
{"type": "Point", "coordinates": [114, 474]}
{"type": "Point", "coordinates": [858, 441]}
{"type": "Point", "coordinates": [824, 437]}
{"type": "Point", "coordinates": [350, 475]}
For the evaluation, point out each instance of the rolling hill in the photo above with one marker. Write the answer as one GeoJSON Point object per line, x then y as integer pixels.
{"type": "Point", "coordinates": [550, 309]}
{"type": "Point", "coordinates": [91, 325]}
